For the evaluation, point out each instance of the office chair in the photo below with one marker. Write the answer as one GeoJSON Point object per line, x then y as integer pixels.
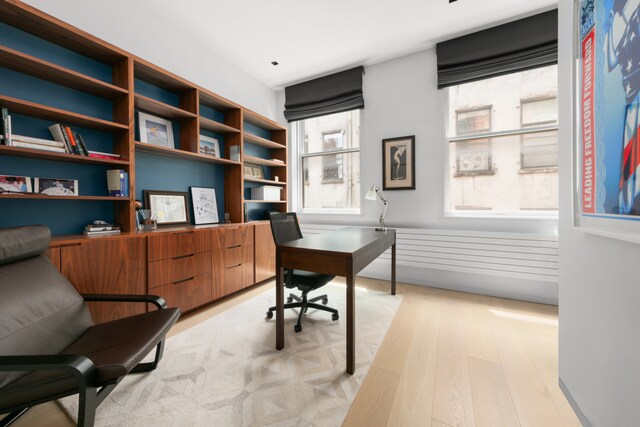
{"type": "Point", "coordinates": [285, 228]}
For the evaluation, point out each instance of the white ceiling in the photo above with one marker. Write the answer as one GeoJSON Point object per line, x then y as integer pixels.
{"type": "Point", "coordinates": [310, 38]}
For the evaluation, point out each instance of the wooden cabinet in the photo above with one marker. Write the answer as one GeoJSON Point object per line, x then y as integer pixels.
{"type": "Point", "coordinates": [265, 252]}
{"type": "Point", "coordinates": [238, 259]}
{"type": "Point", "coordinates": [107, 266]}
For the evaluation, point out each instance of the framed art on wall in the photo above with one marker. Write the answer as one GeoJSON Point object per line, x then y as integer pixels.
{"type": "Point", "coordinates": [205, 208]}
{"type": "Point", "coordinates": [155, 130]}
{"type": "Point", "coordinates": [167, 207]}
{"type": "Point", "coordinates": [398, 163]}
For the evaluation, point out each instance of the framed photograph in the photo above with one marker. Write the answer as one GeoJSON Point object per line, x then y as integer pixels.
{"type": "Point", "coordinates": [256, 171]}
{"type": "Point", "coordinates": [607, 148]}
{"type": "Point", "coordinates": [55, 186]}
{"type": "Point", "coordinates": [398, 163]}
{"type": "Point", "coordinates": [209, 146]}
{"type": "Point", "coordinates": [15, 184]}
{"type": "Point", "coordinates": [205, 209]}
{"type": "Point", "coordinates": [168, 207]}
{"type": "Point", "coordinates": [155, 130]}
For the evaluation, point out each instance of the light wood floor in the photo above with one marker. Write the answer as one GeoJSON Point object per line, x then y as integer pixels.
{"type": "Point", "coordinates": [448, 359]}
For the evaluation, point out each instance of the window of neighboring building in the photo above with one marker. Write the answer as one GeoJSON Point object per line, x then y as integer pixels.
{"type": "Point", "coordinates": [329, 161]}
{"type": "Point", "coordinates": [502, 143]}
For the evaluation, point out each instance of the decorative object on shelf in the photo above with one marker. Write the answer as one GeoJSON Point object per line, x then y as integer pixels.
{"type": "Point", "coordinates": [168, 207]}
{"type": "Point", "coordinates": [5, 124]}
{"type": "Point", "coordinates": [147, 221]}
{"type": "Point", "coordinates": [276, 178]}
{"type": "Point", "coordinates": [100, 155]}
{"type": "Point", "coordinates": [245, 209]}
{"type": "Point", "coordinates": [118, 183]}
{"type": "Point", "coordinates": [398, 167]}
{"type": "Point", "coordinates": [137, 204]}
{"type": "Point", "coordinates": [15, 184]}
{"type": "Point", "coordinates": [205, 208]}
{"type": "Point", "coordinates": [234, 153]}
{"type": "Point", "coordinates": [227, 219]}
{"type": "Point", "coordinates": [155, 130]}
{"type": "Point", "coordinates": [256, 171]}
{"type": "Point", "coordinates": [266, 192]}
{"type": "Point", "coordinates": [209, 146]}
{"type": "Point", "coordinates": [371, 195]}
{"type": "Point", "coordinates": [99, 227]}
{"type": "Point", "coordinates": [55, 186]}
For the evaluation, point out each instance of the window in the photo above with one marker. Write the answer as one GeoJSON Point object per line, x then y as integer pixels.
{"type": "Point", "coordinates": [502, 138]}
{"type": "Point", "coordinates": [329, 161]}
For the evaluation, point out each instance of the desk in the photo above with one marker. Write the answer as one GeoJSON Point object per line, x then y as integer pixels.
{"type": "Point", "coordinates": [343, 252]}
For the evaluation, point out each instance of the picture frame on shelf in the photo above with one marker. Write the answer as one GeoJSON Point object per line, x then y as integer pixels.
{"type": "Point", "coordinates": [155, 130]}
{"type": "Point", "coordinates": [205, 207]}
{"type": "Point", "coordinates": [168, 207]}
{"type": "Point", "coordinates": [257, 171]}
{"type": "Point", "coordinates": [209, 146]}
{"type": "Point", "coordinates": [248, 171]}
{"type": "Point", "coordinates": [398, 163]}
{"type": "Point", "coordinates": [15, 184]}
{"type": "Point", "coordinates": [56, 186]}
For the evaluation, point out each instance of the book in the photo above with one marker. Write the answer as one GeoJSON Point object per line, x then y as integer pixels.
{"type": "Point", "coordinates": [100, 155]}
{"type": "Point", "coordinates": [80, 143]}
{"type": "Point", "coordinates": [39, 141]}
{"type": "Point", "coordinates": [74, 146]}
{"type": "Point", "coordinates": [6, 126]}
{"type": "Point", "coordinates": [33, 146]}
{"type": "Point", "coordinates": [97, 233]}
{"type": "Point", "coordinates": [118, 183]}
{"type": "Point", "coordinates": [58, 135]}
{"type": "Point", "coordinates": [101, 227]}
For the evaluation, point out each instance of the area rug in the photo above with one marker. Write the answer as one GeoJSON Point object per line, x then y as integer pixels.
{"type": "Point", "coordinates": [226, 371]}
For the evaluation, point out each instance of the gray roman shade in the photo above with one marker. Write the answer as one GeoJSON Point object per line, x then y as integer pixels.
{"type": "Point", "coordinates": [325, 95]}
{"type": "Point", "coordinates": [517, 46]}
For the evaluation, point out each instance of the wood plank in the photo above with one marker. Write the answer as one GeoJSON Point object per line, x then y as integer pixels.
{"type": "Point", "coordinates": [491, 397]}
{"type": "Point", "coordinates": [217, 102]}
{"type": "Point", "coordinates": [47, 197]}
{"type": "Point", "coordinates": [261, 161]}
{"type": "Point", "coordinates": [372, 404]}
{"type": "Point", "coordinates": [181, 154]}
{"type": "Point", "coordinates": [477, 319]}
{"type": "Point", "coordinates": [213, 126]}
{"type": "Point", "coordinates": [36, 67]}
{"type": "Point", "coordinates": [160, 108]}
{"type": "Point", "coordinates": [436, 423]}
{"type": "Point", "coordinates": [155, 75]}
{"type": "Point", "coordinates": [265, 252]}
{"type": "Point", "coordinates": [262, 142]}
{"type": "Point", "coordinates": [61, 157]}
{"type": "Point", "coordinates": [261, 121]}
{"type": "Point", "coordinates": [265, 181]}
{"type": "Point", "coordinates": [19, 106]}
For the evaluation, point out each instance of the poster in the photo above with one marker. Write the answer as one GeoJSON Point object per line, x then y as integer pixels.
{"type": "Point", "coordinates": [609, 82]}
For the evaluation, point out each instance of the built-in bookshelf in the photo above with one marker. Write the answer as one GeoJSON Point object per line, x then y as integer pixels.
{"type": "Point", "coordinates": [51, 72]}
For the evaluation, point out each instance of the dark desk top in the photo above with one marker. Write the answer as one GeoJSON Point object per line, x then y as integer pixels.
{"type": "Point", "coordinates": [343, 242]}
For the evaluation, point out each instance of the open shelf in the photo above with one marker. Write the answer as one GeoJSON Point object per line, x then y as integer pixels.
{"type": "Point", "coordinates": [50, 155]}
{"type": "Point", "coordinates": [265, 201]}
{"type": "Point", "coordinates": [254, 139]}
{"type": "Point", "coordinates": [257, 120]}
{"type": "Point", "coordinates": [265, 181]}
{"type": "Point", "coordinates": [46, 197]}
{"type": "Point", "coordinates": [27, 108]}
{"type": "Point", "coordinates": [216, 101]}
{"type": "Point", "coordinates": [181, 154]}
{"type": "Point", "coordinates": [165, 110]}
{"type": "Point", "coordinates": [36, 67]}
{"type": "Point", "coordinates": [213, 126]}
{"type": "Point", "coordinates": [261, 161]}
{"type": "Point", "coordinates": [150, 73]}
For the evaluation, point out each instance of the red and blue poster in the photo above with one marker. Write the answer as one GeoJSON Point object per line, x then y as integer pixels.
{"type": "Point", "coordinates": [608, 108]}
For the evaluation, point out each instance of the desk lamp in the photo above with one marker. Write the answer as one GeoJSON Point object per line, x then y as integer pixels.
{"type": "Point", "coordinates": [371, 195]}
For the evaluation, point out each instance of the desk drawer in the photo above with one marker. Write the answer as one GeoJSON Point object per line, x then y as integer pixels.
{"type": "Point", "coordinates": [171, 270]}
{"type": "Point", "coordinates": [238, 255]}
{"type": "Point", "coordinates": [238, 277]}
{"type": "Point", "coordinates": [186, 294]}
{"type": "Point", "coordinates": [170, 245]}
{"type": "Point", "coordinates": [238, 236]}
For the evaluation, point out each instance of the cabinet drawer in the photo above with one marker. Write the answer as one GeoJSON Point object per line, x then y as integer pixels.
{"type": "Point", "coordinates": [238, 277]}
{"type": "Point", "coordinates": [186, 294]}
{"type": "Point", "coordinates": [238, 236]}
{"type": "Point", "coordinates": [171, 270]}
{"type": "Point", "coordinates": [170, 245]}
{"type": "Point", "coordinates": [238, 255]}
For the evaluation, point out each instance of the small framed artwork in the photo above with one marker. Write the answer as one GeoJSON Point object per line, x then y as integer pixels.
{"type": "Point", "coordinates": [209, 146]}
{"type": "Point", "coordinates": [168, 207]}
{"type": "Point", "coordinates": [248, 171]}
{"type": "Point", "coordinates": [398, 163]}
{"type": "Point", "coordinates": [205, 208]}
{"type": "Point", "coordinates": [15, 184]}
{"type": "Point", "coordinates": [155, 130]}
{"type": "Point", "coordinates": [56, 186]}
{"type": "Point", "coordinates": [257, 171]}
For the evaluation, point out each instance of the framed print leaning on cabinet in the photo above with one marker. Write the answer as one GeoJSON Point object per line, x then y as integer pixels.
{"type": "Point", "coordinates": [168, 207]}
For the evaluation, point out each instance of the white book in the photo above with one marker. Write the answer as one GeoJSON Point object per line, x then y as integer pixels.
{"type": "Point", "coordinates": [39, 141]}
{"type": "Point", "coordinates": [21, 144]}
{"type": "Point", "coordinates": [100, 153]}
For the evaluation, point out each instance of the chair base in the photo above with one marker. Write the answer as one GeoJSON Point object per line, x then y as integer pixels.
{"type": "Point", "coordinates": [305, 304]}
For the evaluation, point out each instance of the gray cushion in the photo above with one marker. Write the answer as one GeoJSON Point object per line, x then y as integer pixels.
{"type": "Point", "coordinates": [19, 243]}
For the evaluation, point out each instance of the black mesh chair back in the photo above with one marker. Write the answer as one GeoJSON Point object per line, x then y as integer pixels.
{"type": "Point", "coordinates": [285, 227]}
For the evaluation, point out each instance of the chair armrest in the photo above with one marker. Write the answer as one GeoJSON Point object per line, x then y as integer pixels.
{"type": "Point", "coordinates": [80, 366]}
{"type": "Point", "coordinates": [153, 299]}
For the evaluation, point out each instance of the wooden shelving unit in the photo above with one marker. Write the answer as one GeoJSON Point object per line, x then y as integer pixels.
{"type": "Point", "coordinates": [152, 106]}
{"type": "Point", "coordinates": [265, 181]}
{"type": "Point", "coordinates": [181, 154]}
{"type": "Point", "coordinates": [47, 197]}
{"type": "Point", "coordinates": [50, 155]}
{"type": "Point", "coordinates": [262, 142]}
{"type": "Point", "coordinates": [264, 162]}
{"type": "Point", "coordinates": [213, 126]}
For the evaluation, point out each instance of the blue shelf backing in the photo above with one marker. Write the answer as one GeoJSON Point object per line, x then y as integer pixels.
{"type": "Point", "coordinates": [258, 131]}
{"type": "Point", "coordinates": [154, 92]}
{"type": "Point", "coordinates": [211, 113]}
{"type": "Point", "coordinates": [259, 211]}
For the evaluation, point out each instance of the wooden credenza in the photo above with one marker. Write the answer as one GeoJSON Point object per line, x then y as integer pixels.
{"type": "Point", "coordinates": [188, 267]}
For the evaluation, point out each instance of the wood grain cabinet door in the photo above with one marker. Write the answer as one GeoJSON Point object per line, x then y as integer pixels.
{"type": "Point", "coordinates": [109, 266]}
{"type": "Point", "coordinates": [265, 256]}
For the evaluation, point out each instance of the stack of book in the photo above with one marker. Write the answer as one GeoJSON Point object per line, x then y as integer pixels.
{"type": "Point", "coordinates": [71, 139]}
{"type": "Point", "coordinates": [118, 183]}
{"type": "Point", "coordinates": [37, 143]}
{"type": "Point", "coordinates": [99, 155]}
{"type": "Point", "coordinates": [101, 229]}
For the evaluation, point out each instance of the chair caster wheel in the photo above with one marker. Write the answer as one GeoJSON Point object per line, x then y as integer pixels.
{"type": "Point", "coordinates": [297, 328]}
{"type": "Point", "coordinates": [269, 314]}
{"type": "Point", "coordinates": [325, 301]}
{"type": "Point", "coordinates": [289, 300]}
{"type": "Point", "coordinates": [335, 316]}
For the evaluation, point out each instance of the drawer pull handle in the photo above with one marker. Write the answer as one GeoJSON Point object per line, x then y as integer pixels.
{"type": "Point", "coordinates": [234, 266]}
{"type": "Point", "coordinates": [233, 247]}
{"type": "Point", "coordinates": [182, 256]}
{"type": "Point", "coordinates": [183, 232]}
{"type": "Point", "coordinates": [182, 281]}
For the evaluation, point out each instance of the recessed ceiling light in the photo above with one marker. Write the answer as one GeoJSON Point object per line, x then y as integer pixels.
{"type": "Point", "coordinates": [274, 63]}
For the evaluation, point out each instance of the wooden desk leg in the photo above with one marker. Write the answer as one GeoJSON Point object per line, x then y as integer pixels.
{"type": "Point", "coordinates": [393, 268]}
{"type": "Point", "coordinates": [351, 321]}
{"type": "Point", "coordinates": [279, 303]}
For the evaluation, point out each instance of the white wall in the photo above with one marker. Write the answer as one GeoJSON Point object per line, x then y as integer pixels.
{"type": "Point", "coordinates": [158, 39]}
{"type": "Point", "coordinates": [599, 290]}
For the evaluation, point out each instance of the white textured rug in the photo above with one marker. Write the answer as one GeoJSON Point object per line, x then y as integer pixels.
{"type": "Point", "coordinates": [226, 371]}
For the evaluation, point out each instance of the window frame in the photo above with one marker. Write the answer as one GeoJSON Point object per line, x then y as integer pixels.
{"type": "Point", "coordinates": [488, 141]}
{"type": "Point", "coordinates": [339, 180]}
{"type": "Point", "coordinates": [533, 125]}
